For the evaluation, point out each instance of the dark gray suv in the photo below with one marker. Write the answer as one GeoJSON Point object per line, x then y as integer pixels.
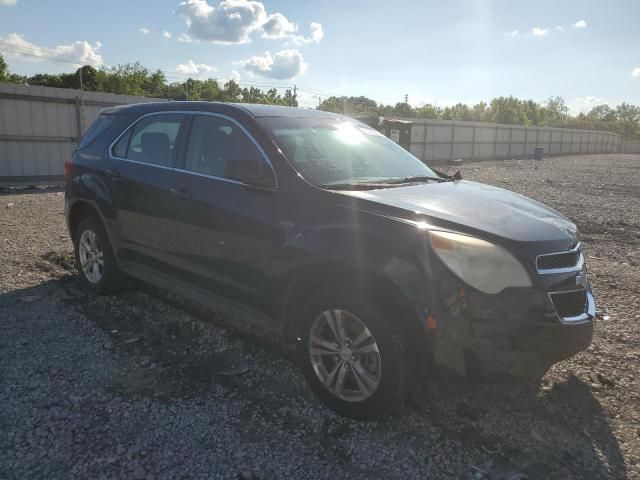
{"type": "Point", "coordinates": [372, 265]}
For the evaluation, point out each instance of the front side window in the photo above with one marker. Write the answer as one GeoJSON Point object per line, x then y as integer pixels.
{"type": "Point", "coordinates": [219, 148]}
{"type": "Point", "coordinates": [151, 140]}
{"type": "Point", "coordinates": [329, 151]}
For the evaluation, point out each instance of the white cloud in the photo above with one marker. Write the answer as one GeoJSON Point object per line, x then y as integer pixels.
{"type": "Point", "coordinates": [636, 72]}
{"type": "Point", "coordinates": [277, 26]}
{"type": "Point", "coordinates": [539, 31]}
{"type": "Point", "coordinates": [166, 34]}
{"type": "Point", "coordinates": [560, 28]}
{"type": "Point", "coordinates": [79, 53]}
{"type": "Point", "coordinates": [184, 38]}
{"type": "Point", "coordinates": [7, 3]}
{"type": "Point", "coordinates": [230, 23]}
{"type": "Point", "coordinates": [194, 69]}
{"type": "Point", "coordinates": [234, 75]}
{"type": "Point", "coordinates": [317, 34]}
{"type": "Point", "coordinates": [145, 30]}
{"type": "Point", "coordinates": [580, 24]}
{"type": "Point", "coordinates": [513, 33]}
{"type": "Point", "coordinates": [585, 104]}
{"type": "Point", "coordinates": [284, 64]}
{"type": "Point", "coordinates": [234, 21]}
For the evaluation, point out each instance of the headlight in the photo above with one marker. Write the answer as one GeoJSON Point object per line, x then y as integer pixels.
{"type": "Point", "coordinates": [483, 265]}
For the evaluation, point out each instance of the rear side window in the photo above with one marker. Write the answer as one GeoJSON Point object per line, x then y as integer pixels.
{"type": "Point", "coordinates": [97, 128]}
{"type": "Point", "coordinates": [214, 142]}
{"type": "Point", "coordinates": [152, 140]}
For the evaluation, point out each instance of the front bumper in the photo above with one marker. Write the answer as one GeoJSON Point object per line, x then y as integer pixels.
{"type": "Point", "coordinates": [517, 334]}
{"type": "Point", "coordinates": [528, 352]}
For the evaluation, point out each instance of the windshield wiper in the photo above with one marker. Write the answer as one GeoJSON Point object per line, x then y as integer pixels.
{"type": "Point", "coordinates": [455, 176]}
{"type": "Point", "coordinates": [417, 178]}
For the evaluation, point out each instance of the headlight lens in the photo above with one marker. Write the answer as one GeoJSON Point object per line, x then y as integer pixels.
{"type": "Point", "coordinates": [483, 265]}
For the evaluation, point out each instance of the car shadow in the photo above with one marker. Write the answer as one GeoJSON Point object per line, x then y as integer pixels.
{"type": "Point", "coordinates": [541, 430]}
{"type": "Point", "coordinates": [168, 349]}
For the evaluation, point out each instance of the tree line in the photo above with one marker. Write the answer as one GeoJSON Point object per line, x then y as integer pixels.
{"type": "Point", "coordinates": [135, 79]}
{"type": "Point", "coordinates": [623, 119]}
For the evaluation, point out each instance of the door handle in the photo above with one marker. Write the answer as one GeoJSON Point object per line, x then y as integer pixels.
{"type": "Point", "coordinates": [181, 193]}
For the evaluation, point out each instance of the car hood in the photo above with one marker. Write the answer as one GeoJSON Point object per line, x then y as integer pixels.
{"type": "Point", "coordinates": [476, 206]}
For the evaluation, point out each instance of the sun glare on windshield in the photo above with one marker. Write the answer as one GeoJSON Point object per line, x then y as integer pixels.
{"type": "Point", "coordinates": [348, 134]}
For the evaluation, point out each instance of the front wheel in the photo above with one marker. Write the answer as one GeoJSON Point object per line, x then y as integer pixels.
{"type": "Point", "coordinates": [353, 357]}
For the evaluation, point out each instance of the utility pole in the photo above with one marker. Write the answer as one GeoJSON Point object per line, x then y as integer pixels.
{"type": "Point", "coordinates": [406, 98]}
{"type": "Point", "coordinates": [295, 91]}
{"type": "Point", "coordinates": [81, 99]}
{"type": "Point", "coordinates": [319, 100]}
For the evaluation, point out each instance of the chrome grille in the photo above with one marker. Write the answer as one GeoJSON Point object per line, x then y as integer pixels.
{"type": "Point", "coordinates": [560, 262]}
{"type": "Point", "coordinates": [570, 304]}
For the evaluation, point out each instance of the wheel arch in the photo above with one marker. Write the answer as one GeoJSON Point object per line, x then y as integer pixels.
{"type": "Point", "coordinates": [80, 210]}
{"type": "Point", "coordinates": [305, 282]}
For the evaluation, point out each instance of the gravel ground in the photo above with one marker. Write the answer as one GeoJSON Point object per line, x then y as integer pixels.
{"type": "Point", "coordinates": [143, 385]}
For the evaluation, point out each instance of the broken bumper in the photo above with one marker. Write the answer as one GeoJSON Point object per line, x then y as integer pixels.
{"type": "Point", "coordinates": [518, 335]}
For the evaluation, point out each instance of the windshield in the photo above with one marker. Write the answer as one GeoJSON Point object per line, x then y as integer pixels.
{"type": "Point", "coordinates": [335, 151]}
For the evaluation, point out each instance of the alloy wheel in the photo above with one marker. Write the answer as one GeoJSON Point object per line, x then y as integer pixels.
{"type": "Point", "coordinates": [344, 355]}
{"type": "Point", "coordinates": [91, 256]}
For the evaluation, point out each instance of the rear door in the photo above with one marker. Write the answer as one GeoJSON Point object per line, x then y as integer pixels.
{"type": "Point", "coordinates": [228, 238]}
{"type": "Point", "coordinates": [142, 176]}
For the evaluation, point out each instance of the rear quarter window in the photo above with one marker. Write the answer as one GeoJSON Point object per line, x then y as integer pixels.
{"type": "Point", "coordinates": [97, 128]}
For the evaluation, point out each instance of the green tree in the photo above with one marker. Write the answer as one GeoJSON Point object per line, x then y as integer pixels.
{"type": "Point", "coordinates": [629, 120]}
{"type": "Point", "coordinates": [459, 111]}
{"type": "Point", "coordinates": [556, 109]}
{"type": "Point", "coordinates": [349, 105]}
{"type": "Point", "coordinates": [481, 112]}
{"type": "Point", "coordinates": [602, 113]}
{"type": "Point", "coordinates": [4, 69]}
{"type": "Point", "coordinates": [428, 111]}
{"type": "Point", "coordinates": [403, 109]}
{"type": "Point", "coordinates": [232, 92]}
{"type": "Point", "coordinates": [290, 99]}
{"type": "Point", "coordinates": [508, 110]}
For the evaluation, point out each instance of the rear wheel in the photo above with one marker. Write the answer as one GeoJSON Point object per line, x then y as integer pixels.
{"type": "Point", "coordinates": [353, 359]}
{"type": "Point", "coordinates": [94, 256]}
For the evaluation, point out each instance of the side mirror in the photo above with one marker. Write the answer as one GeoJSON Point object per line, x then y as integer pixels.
{"type": "Point", "coordinates": [251, 172]}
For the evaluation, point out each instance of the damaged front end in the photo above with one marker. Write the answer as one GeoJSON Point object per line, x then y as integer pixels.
{"type": "Point", "coordinates": [517, 333]}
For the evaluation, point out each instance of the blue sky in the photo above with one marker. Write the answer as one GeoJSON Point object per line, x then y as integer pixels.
{"type": "Point", "coordinates": [439, 52]}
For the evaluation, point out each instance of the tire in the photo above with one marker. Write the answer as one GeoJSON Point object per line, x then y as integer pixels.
{"type": "Point", "coordinates": [105, 277]}
{"type": "Point", "coordinates": [391, 358]}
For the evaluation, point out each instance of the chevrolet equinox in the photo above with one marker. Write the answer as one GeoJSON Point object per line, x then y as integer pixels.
{"type": "Point", "coordinates": [371, 265]}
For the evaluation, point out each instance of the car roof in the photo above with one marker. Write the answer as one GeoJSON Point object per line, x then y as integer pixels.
{"type": "Point", "coordinates": [252, 110]}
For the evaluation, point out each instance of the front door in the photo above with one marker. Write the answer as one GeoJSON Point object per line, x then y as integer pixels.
{"type": "Point", "coordinates": [228, 238]}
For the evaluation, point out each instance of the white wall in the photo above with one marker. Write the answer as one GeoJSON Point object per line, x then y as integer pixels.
{"type": "Point", "coordinates": [40, 126]}
{"type": "Point", "coordinates": [442, 140]}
